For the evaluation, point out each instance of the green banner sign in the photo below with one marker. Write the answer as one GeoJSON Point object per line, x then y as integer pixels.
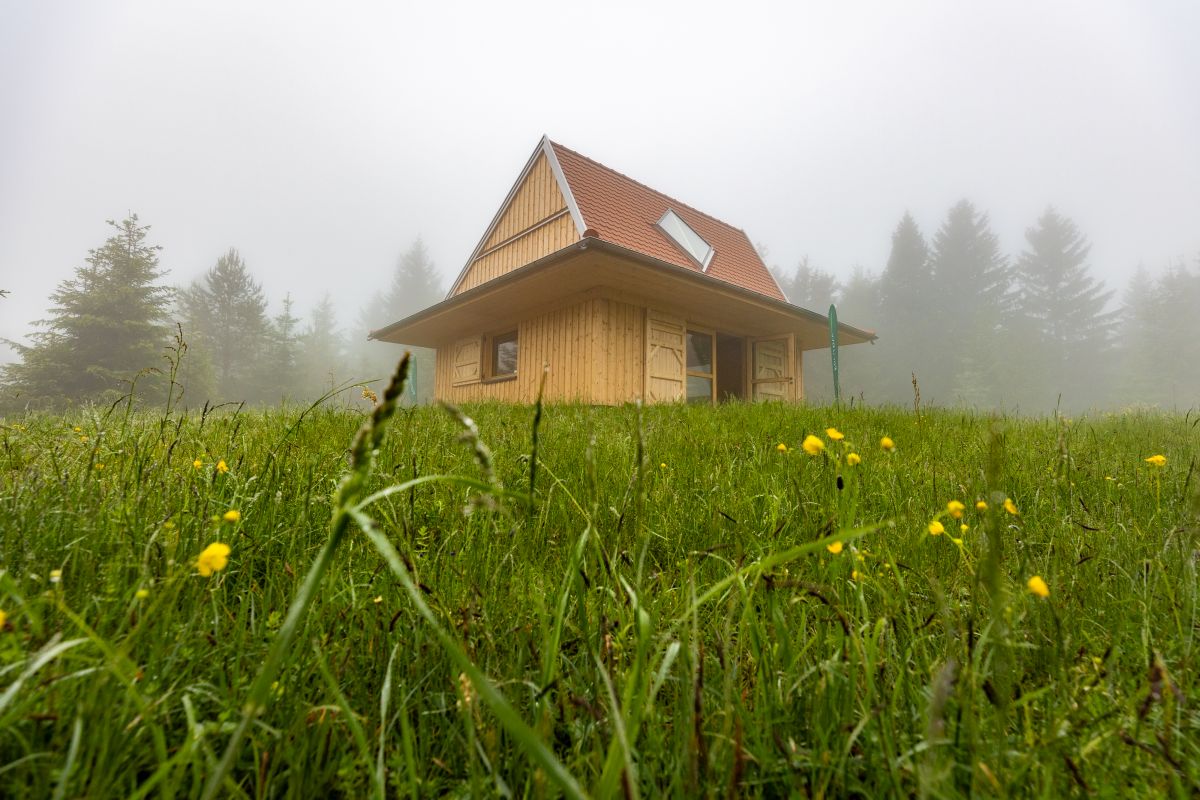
{"type": "Point", "coordinates": [833, 352]}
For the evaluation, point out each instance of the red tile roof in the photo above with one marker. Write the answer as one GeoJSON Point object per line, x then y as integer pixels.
{"type": "Point", "coordinates": [620, 210]}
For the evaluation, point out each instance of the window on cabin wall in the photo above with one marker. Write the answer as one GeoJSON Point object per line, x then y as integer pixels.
{"type": "Point", "coordinates": [701, 367]}
{"type": "Point", "coordinates": [502, 355]}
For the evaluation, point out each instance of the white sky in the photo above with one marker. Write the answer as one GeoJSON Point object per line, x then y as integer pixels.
{"type": "Point", "coordinates": [320, 139]}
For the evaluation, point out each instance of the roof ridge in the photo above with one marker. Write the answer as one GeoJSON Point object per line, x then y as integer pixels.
{"type": "Point", "coordinates": [651, 189]}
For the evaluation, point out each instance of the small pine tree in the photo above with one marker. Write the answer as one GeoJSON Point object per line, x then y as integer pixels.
{"type": "Point", "coordinates": [107, 324]}
{"type": "Point", "coordinates": [321, 352]}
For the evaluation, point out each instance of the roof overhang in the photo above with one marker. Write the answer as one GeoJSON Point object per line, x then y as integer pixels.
{"type": "Point", "coordinates": [599, 268]}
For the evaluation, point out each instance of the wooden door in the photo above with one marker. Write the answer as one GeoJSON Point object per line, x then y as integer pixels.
{"type": "Point", "coordinates": [772, 374]}
{"type": "Point", "coordinates": [666, 359]}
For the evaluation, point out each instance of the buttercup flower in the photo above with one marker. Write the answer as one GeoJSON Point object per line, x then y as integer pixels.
{"type": "Point", "coordinates": [1038, 586]}
{"type": "Point", "coordinates": [222, 467]}
{"type": "Point", "coordinates": [955, 508]}
{"type": "Point", "coordinates": [887, 444]}
{"type": "Point", "coordinates": [142, 594]}
{"type": "Point", "coordinates": [936, 528]}
{"type": "Point", "coordinates": [1010, 506]}
{"type": "Point", "coordinates": [781, 447]}
{"type": "Point", "coordinates": [3, 619]}
{"type": "Point", "coordinates": [197, 464]}
{"type": "Point", "coordinates": [964, 528]}
{"type": "Point", "coordinates": [834, 547]}
{"type": "Point", "coordinates": [981, 506]}
{"type": "Point", "coordinates": [1157, 461]}
{"type": "Point", "coordinates": [232, 515]}
{"type": "Point", "coordinates": [812, 445]}
{"type": "Point", "coordinates": [835, 434]}
{"type": "Point", "coordinates": [853, 459]}
{"type": "Point", "coordinates": [213, 558]}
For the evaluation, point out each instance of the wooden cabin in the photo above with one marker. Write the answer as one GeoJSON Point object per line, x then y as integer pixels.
{"type": "Point", "coordinates": [621, 291]}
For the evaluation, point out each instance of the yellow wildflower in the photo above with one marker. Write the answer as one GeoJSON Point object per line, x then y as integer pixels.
{"type": "Point", "coordinates": [955, 508]}
{"type": "Point", "coordinates": [835, 434]}
{"type": "Point", "coordinates": [378, 599]}
{"type": "Point", "coordinates": [83, 439]}
{"type": "Point", "coordinates": [834, 547]}
{"type": "Point", "coordinates": [964, 528]}
{"type": "Point", "coordinates": [812, 445]}
{"type": "Point", "coordinates": [99, 465]}
{"type": "Point", "coordinates": [56, 576]}
{"type": "Point", "coordinates": [1038, 586]}
{"type": "Point", "coordinates": [981, 506]}
{"type": "Point", "coordinates": [213, 558]}
{"type": "Point", "coordinates": [142, 594]}
{"type": "Point", "coordinates": [1010, 506]}
{"type": "Point", "coordinates": [222, 467]}
{"type": "Point", "coordinates": [662, 465]}
{"type": "Point", "coordinates": [781, 447]}
{"type": "Point", "coordinates": [854, 575]}
{"type": "Point", "coordinates": [853, 459]}
{"type": "Point", "coordinates": [936, 528]}
{"type": "Point", "coordinates": [77, 429]}
{"type": "Point", "coordinates": [1157, 461]}
{"type": "Point", "coordinates": [887, 444]}
{"type": "Point", "coordinates": [232, 515]}
{"type": "Point", "coordinates": [3, 619]}
{"type": "Point", "coordinates": [197, 464]}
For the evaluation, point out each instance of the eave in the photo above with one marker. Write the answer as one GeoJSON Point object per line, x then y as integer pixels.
{"type": "Point", "coordinates": [594, 265]}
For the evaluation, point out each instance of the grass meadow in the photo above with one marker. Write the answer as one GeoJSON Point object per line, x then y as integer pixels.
{"type": "Point", "coordinates": [632, 602]}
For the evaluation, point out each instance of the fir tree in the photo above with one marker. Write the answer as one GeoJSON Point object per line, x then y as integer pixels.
{"type": "Point", "coordinates": [974, 305]}
{"type": "Point", "coordinates": [226, 312]}
{"type": "Point", "coordinates": [908, 302]}
{"type": "Point", "coordinates": [1062, 315]}
{"type": "Point", "coordinates": [107, 324]}
{"type": "Point", "coordinates": [810, 287]}
{"type": "Point", "coordinates": [321, 352]}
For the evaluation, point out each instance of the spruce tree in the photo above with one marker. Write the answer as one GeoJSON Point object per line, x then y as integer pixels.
{"type": "Point", "coordinates": [320, 364]}
{"type": "Point", "coordinates": [414, 286]}
{"type": "Point", "coordinates": [909, 340]}
{"type": "Point", "coordinates": [107, 324]}
{"type": "Point", "coordinates": [973, 287]}
{"type": "Point", "coordinates": [810, 287]}
{"type": "Point", "coordinates": [1062, 314]}
{"type": "Point", "coordinates": [226, 312]}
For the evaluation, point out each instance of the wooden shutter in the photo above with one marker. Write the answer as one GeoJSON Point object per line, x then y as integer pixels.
{"type": "Point", "coordinates": [666, 359]}
{"type": "Point", "coordinates": [467, 361]}
{"type": "Point", "coordinates": [771, 368]}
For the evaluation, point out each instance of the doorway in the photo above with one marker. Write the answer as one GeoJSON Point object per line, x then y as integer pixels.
{"type": "Point", "coordinates": [731, 368]}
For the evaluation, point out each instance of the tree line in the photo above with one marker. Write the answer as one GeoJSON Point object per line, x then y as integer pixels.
{"type": "Point", "coordinates": [116, 319]}
{"type": "Point", "coordinates": [974, 326]}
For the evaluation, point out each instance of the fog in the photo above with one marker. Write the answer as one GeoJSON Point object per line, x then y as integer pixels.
{"type": "Point", "coordinates": [321, 142]}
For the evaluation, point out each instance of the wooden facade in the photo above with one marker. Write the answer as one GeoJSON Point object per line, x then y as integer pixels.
{"type": "Point", "coordinates": [608, 350]}
{"type": "Point", "coordinates": [611, 314]}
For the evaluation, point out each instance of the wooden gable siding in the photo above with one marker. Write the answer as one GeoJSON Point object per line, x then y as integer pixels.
{"type": "Point", "coordinates": [535, 223]}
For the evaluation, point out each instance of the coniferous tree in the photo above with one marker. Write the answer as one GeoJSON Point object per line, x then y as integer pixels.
{"type": "Point", "coordinates": [974, 308]}
{"type": "Point", "coordinates": [415, 285]}
{"type": "Point", "coordinates": [282, 371]}
{"type": "Point", "coordinates": [321, 352]}
{"type": "Point", "coordinates": [1140, 353]}
{"type": "Point", "coordinates": [810, 287]}
{"type": "Point", "coordinates": [858, 304]}
{"type": "Point", "coordinates": [1062, 316]}
{"type": "Point", "coordinates": [226, 312]}
{"type": "Point", "coordinates": [107, 324]}
{"type": "Point", "coordinates": [909, 339]}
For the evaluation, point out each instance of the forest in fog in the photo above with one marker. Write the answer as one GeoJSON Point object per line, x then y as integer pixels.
{"type": "Point", "coordinates": [971, 325]}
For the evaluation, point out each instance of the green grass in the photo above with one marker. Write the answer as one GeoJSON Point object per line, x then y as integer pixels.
{"type": "Point", "coordinates": [670, 623]}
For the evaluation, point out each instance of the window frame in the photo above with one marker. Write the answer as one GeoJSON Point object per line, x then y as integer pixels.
{"type": "Point", "coordinates": [708, 257]}
{"type": "Point", "coordinates": [688, 372]}
{"type": "Point", "coordinates": [490, 341]}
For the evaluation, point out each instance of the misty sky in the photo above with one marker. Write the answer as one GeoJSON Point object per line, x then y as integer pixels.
{"type": "Point", "coordinates": [320, 139]}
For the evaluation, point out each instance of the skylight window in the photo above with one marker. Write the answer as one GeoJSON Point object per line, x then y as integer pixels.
{"type": "Point", "coordinates": [690, 241]}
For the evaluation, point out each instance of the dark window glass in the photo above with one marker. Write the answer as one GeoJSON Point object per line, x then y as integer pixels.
{"type": "Point", "coordinates": [699, 352]}
{"type": "Point", "coordinates": [504, 354]}
{"type": "Point", "coordinates": [699, 390]}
